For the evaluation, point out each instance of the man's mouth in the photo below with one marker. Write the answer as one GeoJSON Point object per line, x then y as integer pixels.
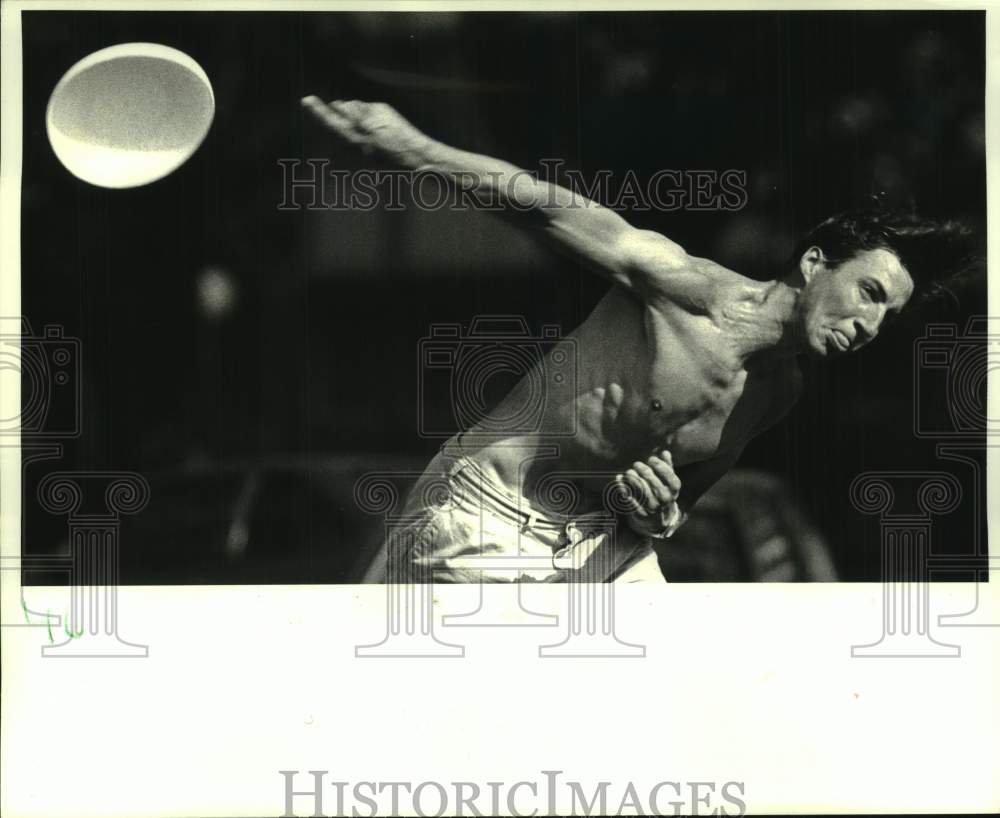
{"type": "Point", "coordinates": [840, 340]}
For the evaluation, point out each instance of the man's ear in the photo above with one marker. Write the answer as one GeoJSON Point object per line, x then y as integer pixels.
{"type": "Point", "coordinates": [811, 261]}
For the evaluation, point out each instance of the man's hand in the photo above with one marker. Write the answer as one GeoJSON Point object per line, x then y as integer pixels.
{"type": "Point", "coordinates": [374, 127]}
{"type": "Point", "coordinates": [651, 490]}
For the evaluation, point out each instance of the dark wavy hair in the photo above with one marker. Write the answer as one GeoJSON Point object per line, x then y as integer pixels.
{"type": "Point", "coordinates": [942, 257]}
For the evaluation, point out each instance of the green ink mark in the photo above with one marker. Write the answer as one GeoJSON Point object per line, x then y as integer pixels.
{"type": "Point", "coordinates": [70, 633]}
{"type": "Point", "coordinates": [48, 624]}
{"type": "Point", "coordinates": [24, 607]}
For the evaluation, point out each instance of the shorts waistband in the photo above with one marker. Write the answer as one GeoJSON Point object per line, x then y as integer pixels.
{"type": "Point", "coordinates": [503, 502]}
{"type": "Point", "coordinates": [518, 510]}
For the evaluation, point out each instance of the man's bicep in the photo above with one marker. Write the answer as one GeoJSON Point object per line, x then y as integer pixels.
{"type": "Point", "coordinates": [657, 268]}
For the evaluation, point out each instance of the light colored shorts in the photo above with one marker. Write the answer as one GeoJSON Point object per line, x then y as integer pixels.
{"type": "Point", "coordinates": [459, 524]}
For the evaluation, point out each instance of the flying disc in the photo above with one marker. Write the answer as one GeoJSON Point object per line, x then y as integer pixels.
{"type": "Point", "coordinates": [130, 114]}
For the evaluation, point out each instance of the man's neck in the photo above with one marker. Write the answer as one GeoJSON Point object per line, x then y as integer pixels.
{"type": "Point", "coordinates": [760, 318]}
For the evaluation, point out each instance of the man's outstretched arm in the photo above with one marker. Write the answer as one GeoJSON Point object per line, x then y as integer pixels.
{"type": "Point", "coordinates": [640, 260]}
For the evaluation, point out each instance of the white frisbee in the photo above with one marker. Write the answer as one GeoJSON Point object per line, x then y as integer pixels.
{"type": "Point", "coordinates": [130, 114]}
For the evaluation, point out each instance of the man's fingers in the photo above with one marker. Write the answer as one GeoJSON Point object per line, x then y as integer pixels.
{"type": "Point", "coordinates": [665, 472]}
{"type": "Point", "coordinates": [353, 106]}
{"type": "Point", "coordinates": [351, 109]}
{"type": "Point", "coordinates": [658, 488]}
{"type": "Point", "coordinates": [629, 495]}
{"type": "Point", "coordinates": [640, 490]}
{"type": "Point", "coordinates": [328, 115]}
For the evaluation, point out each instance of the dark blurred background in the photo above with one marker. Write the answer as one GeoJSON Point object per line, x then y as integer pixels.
{"type": "Point", "coordinates": [229, 347]}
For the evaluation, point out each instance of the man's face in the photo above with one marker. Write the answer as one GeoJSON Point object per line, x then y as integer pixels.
{"type": "Point", "coordinates": [842, 309]}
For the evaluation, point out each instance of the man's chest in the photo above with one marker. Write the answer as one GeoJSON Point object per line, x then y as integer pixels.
{"type": "Point", "coordinates": [726, 421]}
{"type": "Point", "coordinates": [716, 404]}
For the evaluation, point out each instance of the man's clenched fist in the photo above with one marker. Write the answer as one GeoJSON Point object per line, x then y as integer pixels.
{"type": "Point", "coordinates": [650, 489]}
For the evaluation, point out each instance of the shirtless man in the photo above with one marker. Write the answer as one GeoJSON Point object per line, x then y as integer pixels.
{"type": "Point", "coordinates": [681, 364]}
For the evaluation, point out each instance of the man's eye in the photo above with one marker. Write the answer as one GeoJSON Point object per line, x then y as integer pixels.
{"type": "Point", "coordinates": [873, 293]}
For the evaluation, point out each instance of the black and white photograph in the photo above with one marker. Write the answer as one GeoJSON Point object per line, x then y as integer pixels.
{"type": "Point", "coordinates": [499, 323]}
{"type": "Point", "coordinates": [287, 251]}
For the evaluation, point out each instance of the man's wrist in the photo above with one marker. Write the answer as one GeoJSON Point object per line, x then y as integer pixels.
{"type": "Point", "coordinates": [424, 154]}
{"type": "Point", "coordinates": [675, 521]}
{"type": "Point", "coordinates": [671, 524]}
{"type": "Point", "coordinates": [659, 527]}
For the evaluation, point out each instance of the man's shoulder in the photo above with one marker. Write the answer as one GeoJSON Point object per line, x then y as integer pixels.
{"type": "Point", "coordinates": [725, 281]}
{"type": "Point", "coordinates": [672, 276]}
{"type": "Point", "coordinates": [652, 252]}
{"type": "Point", "coordinates": [657, 255]}
{"type": "Point", "coordinates": [668, 277]}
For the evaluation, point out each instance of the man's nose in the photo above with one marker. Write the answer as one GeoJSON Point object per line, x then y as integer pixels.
{"type": "Point", "coordinates": [867, 327]}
